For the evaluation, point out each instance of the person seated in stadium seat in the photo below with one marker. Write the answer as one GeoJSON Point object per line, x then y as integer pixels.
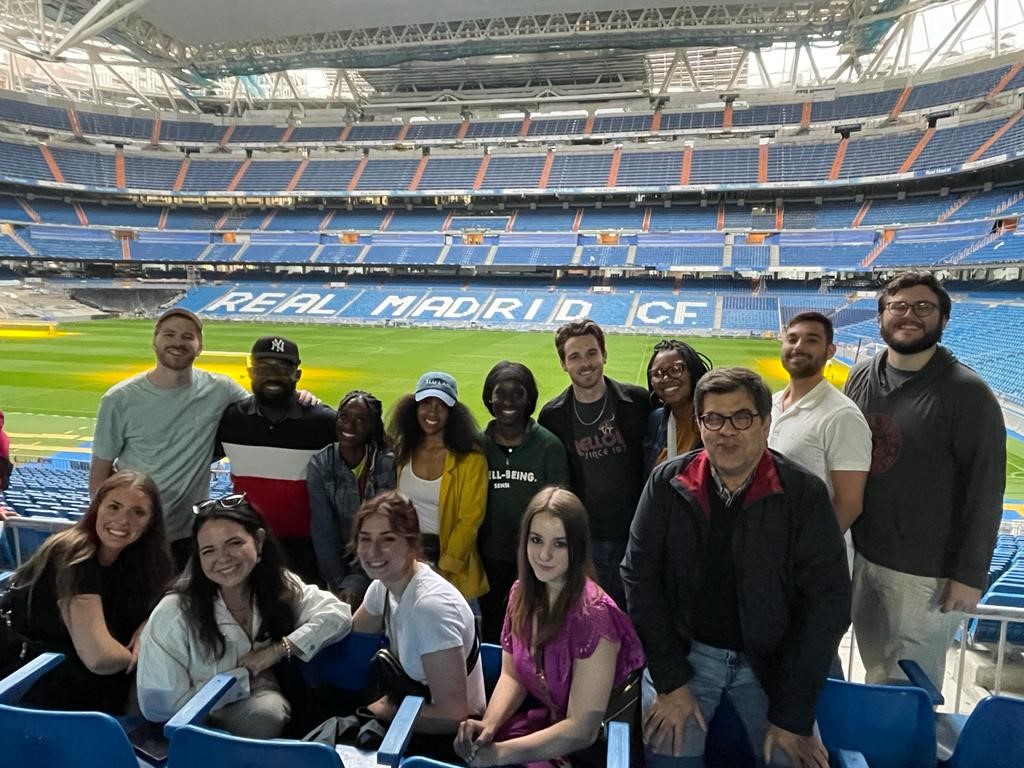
{"type": "Point", "coordinates": [429, 625]}
{"type": "Point", "coordinates": [672, 375]}
{"type": "Point", "coordinates": [236, 609]}
{"type": "Point", "coordinates": [340, 478]}
{"type": "Point", "coordinates": [565, 643]}
{"type": "Point", "coordinates": [522, 458]}
{"type": "Point", "coordinates": [87, 592]}
{"type": "Point", "coordinates": [442, 468]}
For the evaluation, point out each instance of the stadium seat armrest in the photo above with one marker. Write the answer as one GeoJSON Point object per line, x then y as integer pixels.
{"type": "Point", "coordinates": [13, 687]}
{"type": "Point", "coordinates": [399, 732]}
{"type": "Point", "coordinates": [846, 758]}
{"type": "Point", "coordinates": [200, 705]}
{"type": "Point", "coordinates": [618, 745]}
{"type": "Point", "coordinates": [917, 677]}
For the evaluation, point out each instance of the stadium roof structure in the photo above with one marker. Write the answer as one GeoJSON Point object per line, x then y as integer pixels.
{"type": "Point", "coordinates": [401, 46]}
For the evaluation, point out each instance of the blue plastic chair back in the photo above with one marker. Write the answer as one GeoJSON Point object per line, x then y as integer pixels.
{"type": "Point", "coordinates": [33, 738]}
{"type": "Point", "coordinates": [192, 746]}
{"type": "Point", "coordinates": [893, 726]}
{"type": "Point", "coordinates": [993, 736]}
{"type": "Point", "coordinates": [344, 664]}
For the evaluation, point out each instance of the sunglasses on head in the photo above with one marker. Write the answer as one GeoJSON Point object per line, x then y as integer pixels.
{"type": "Point", "coordinates": [223, 502]}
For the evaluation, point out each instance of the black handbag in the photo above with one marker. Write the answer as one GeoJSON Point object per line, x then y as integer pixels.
{"type": "Point", "coordinates": [16, 647]}
{"type": "Point", "coordinates": [387, 671]}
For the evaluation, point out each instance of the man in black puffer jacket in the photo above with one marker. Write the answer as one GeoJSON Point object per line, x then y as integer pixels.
{"type": "Point", "coordinates": [736, 579]}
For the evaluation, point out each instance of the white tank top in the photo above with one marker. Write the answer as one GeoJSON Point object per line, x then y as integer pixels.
{"type": "Point", "coordinates": [425, 495]}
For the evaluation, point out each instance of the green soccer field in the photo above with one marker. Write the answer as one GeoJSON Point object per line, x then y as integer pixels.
{"type": "Point", "coordinates": [50, 386]}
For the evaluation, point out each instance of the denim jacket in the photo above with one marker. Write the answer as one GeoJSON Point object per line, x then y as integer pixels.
{"type": "Point", "coordinates": [333, 501]}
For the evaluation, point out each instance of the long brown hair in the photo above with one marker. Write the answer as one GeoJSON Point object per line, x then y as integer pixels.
{"type": "Point", "coordinates": [531, 599]}
{"type": "Point", "coordinates": [148, 559]}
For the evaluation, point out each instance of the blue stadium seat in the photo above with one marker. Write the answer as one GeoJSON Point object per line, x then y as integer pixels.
{"type": "Point", "coordinates": [892, 726]}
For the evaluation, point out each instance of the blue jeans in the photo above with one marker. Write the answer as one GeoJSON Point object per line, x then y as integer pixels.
{"type": "Point", "coordinates": [717, 671]}
{"type": "Point", "coordinates": [607, 558]}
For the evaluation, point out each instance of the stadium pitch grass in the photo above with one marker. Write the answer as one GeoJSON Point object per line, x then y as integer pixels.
{"type": "Point", "coordinates": [51, 384]}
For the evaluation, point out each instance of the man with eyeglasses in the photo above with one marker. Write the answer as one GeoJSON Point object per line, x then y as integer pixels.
{"type": "Point", "coordinates": [269, 438]}
{"type": "Point", "coordinates": [934, 497]}
{"type": "Point", "coordinates": [736, 580]}
{"type": "Point", "coordinates": [818, 426]}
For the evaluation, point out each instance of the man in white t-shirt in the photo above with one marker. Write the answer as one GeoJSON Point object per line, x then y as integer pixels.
{"type": "Point", "coordinates": [815, 424]}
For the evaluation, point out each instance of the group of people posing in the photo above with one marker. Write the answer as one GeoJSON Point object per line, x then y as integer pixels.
{"type": "Point", "coordinates": [685, 540]}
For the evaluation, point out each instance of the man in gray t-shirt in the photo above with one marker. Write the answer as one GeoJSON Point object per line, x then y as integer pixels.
{"type": "Point", "coordinates": [163, 422]}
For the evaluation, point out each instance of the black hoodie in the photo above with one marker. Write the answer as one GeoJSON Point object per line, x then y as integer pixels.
{"type": "Point", "coordinates": [934, 498]}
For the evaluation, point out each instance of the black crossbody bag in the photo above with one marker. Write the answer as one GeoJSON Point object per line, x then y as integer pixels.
{"type": "Point", "coordinates": [386, 669]}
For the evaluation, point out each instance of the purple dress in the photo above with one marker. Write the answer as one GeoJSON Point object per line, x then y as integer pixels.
{"type": "Point", "coordinates": [595, 617]}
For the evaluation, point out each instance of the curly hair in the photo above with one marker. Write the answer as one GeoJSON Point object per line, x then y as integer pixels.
{"type": "Point", "coordinates": [461, 433]}
{"type": "Point", "coordinates": [274, 595]}
{"type": "Point", "coordinates": [377, 439]}
{"type": "Point", "coordinates": [697, 364]}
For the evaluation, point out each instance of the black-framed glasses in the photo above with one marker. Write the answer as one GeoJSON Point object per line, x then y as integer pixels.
{"type": "Point", "coordinates": [222, 502]}
{"type": "Point", "coordinates": [674, 371]}
{"type": "Point", "coordinates": [920, 308]}
{"type": "Point", "coordinates": [740, 420]}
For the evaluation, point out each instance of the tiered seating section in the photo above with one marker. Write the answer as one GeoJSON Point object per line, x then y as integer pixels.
{"type": "Point", "coordinates": [973, 227]}
{"type": "Point", "coordinates": [896, 152]}
{"type": "Point", "coordinates": [1006, 588]}
{"type": "Point", "coordinates": [826, 108]}
{"type": "Point", "coordinates": [880, 134]}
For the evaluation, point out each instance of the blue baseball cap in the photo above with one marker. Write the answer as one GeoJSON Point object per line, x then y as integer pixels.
{"type": "Point", "coordinates": [437, 384]}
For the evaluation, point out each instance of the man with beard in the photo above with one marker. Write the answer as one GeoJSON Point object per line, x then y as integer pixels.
{"type": "Point", "coordinates": [269, 437]}
{"type": "Point", "coordinates": [162, 422]}
{"type": "Point", "coordinates": [601, 423]}
{"type": "Point", "coordinates": [815, 424]}
{"type": "Point", "coordinates": [934, 498]}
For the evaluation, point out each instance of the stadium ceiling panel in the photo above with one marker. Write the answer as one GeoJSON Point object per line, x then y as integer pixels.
{"type": "Point", "coordinates": [199, 40]}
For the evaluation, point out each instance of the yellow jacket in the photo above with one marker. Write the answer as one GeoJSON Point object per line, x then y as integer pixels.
{"type": "Point", "coordinates": [461, 507]}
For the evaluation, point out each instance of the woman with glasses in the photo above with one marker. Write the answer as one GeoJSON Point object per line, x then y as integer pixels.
{"type": "Point", "coordinates": [672, 375]}
{"type": "Point", "coordinates": [235, 609]}
{"type": "Point", "coordinates": [442, 468]}
{"type": "Point", "coordinates": [522, 458]}
{"type": "Point", "coordinates": [340, 478]}
{"type": "Point", "coordinates": [86, 593]}
{"type": "Point", "coordinates": [429, 625]}
{"type": "Point", "coordinates": [566, 644]}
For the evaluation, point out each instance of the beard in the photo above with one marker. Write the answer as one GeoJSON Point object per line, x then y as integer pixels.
{"type": "Point", "coordinates": [278, 396]}
{"type": "Point", "coordinates": [175, 362]}
{"type": "Point", "coordinates": [805, 368]}
{"type": "Point", "coordinates": [927, 340]}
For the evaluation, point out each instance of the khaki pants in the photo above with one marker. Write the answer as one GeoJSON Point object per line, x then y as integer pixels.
{"type": "Point", "coordinates": [896, 616]}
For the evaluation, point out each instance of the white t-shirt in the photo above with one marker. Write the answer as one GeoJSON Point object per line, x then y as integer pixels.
{"type": "Point", "coordinates": [824, 431]}
{"type": "Point", "coordinates": [425, 496]}
{"type": "Point", "coordinates": [431, 616]}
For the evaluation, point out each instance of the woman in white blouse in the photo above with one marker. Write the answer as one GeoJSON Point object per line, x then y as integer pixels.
{"type": "Point", "coordinates": [235, 609]}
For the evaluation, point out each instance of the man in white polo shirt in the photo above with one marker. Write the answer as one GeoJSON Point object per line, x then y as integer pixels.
{"type": "Point", "coordinates": [815, 424]}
